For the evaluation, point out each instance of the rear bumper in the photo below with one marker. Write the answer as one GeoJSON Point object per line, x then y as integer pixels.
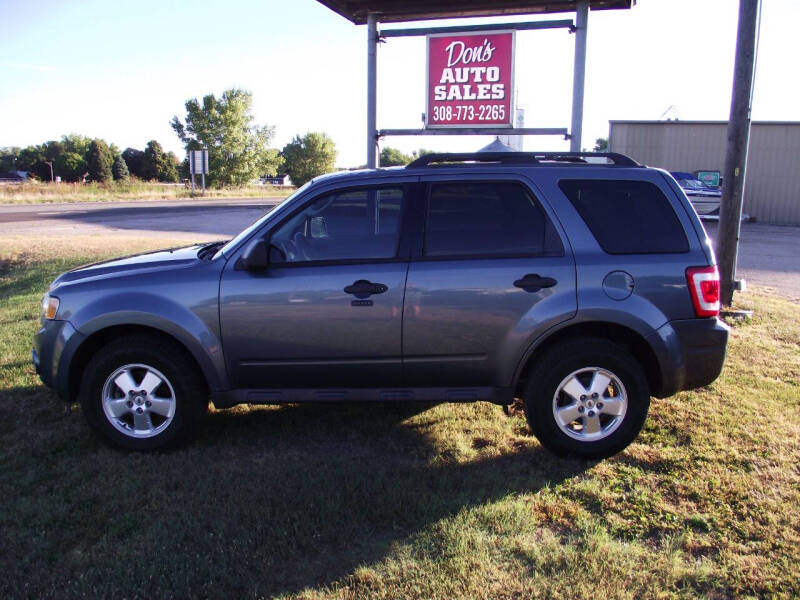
{"type": "Point", "coordinates": [690, 353]}
{"type": "Point", "coordinates": [53, 348]}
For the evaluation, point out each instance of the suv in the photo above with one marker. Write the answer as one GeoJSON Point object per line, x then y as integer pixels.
{"type": "Point", "coordinates": [582, 283]}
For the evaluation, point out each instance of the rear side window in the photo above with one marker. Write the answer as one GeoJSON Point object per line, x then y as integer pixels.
{"type": "Point", "coordinates": [485, 219]}
{"type": "Point", "coordinates": [627, 217]}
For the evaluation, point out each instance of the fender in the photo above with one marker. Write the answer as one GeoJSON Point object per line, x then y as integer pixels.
{"type": "Point", "coordinates": [598, 318]}
{"type": "Point", "coordinates": [197, 328]}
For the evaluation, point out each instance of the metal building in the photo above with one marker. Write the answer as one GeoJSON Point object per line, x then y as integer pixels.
{"type": "Point", "coordinates": [772, 192]}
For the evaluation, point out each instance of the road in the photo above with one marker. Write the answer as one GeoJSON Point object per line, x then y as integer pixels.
{"type": "Point", "coordinates": [769, 255]}
{"type": "Point", "coordinates": [190, 219]}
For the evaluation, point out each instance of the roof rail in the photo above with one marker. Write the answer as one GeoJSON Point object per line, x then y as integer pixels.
{"type": "Point", "coordinates": [521, 158]}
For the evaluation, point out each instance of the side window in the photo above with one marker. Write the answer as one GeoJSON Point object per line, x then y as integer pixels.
{"type": "Point", "coordinates": [627, 217]}
{"type": "Point", "coordinates": [487, 218]}
{"type": "Point", "coordinates": [351, 224]}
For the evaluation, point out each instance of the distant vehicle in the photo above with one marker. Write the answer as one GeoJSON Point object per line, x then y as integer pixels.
{"type": "Point", "coordinates": [581, 288]}
{"type": "Point", "coordinates": [705, 199]}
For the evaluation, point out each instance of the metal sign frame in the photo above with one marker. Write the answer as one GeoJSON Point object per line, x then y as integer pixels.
{"type": "Point", "coordinates": [574, 134]}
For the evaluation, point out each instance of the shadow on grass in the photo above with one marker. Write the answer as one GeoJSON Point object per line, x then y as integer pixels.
{"type": "Point", "coordinates": [265, 501]}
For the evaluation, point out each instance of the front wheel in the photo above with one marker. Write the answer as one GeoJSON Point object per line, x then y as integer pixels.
{"type": "Point", "coordinates": [587, 398]}
{"type": "Point", "coordinates": [143, 393]}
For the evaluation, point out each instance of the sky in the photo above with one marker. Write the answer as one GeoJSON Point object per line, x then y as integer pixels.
{"type": "Point", "coordinates": [121, 70]}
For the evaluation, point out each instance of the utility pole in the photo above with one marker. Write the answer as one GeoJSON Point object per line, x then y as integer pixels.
{"type": "Point", "coordinates": [50, 164]}
{"type": "Point", "coordinates": [730, 216]}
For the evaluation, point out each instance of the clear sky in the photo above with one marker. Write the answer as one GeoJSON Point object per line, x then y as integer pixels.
{"type": "Point", "coordinates": [120, 70]}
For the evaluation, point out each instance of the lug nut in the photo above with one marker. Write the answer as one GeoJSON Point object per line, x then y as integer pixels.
{"type": "Point", "coordinates": [148, 403]}
{"type": "Point", "coordinates": [129, 403]}
{"type": "Point", "coordinates": [144, 392]}
{"type": "Point", "coordinates": [591, 412]}
{"type": "Point", "coordinates": [599, 405]}
{"type": "Point", "coordinates": [594, 395]}
{"type": "Point", "coordinates": [583, 398]}
{"type": "Point", "coordinates": [581, 409]}
{"type": "Point", "coordinates": [139, 410]}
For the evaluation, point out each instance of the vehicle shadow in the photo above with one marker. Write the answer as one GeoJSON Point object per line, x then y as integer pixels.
{"type": "Point", "coordinates": [265, 502]}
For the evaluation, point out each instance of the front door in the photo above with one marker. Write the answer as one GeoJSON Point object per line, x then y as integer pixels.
{"type": "Point", "coordinates": [328, 310]}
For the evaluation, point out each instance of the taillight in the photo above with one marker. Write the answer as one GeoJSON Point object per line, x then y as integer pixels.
{"type": "Point", "coordinates": [704, 288]}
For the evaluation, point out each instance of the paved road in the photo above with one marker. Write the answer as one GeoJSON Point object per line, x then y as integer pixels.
{"type": "Point", "coordinates": [190, 219]}
{"type": "Point", "coordinates": [769, 255]}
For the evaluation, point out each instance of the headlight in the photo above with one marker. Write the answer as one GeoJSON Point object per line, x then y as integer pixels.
{"type": "Point", "coordinates": [49, 307]}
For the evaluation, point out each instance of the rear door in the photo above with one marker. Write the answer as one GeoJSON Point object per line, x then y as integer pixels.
{"type": "Point", "coordinates": [491, 272]}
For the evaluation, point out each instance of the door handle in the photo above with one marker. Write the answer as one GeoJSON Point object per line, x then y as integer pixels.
{"type": "Point", "coordinates": [533, 282]}
{"type": "Point", "coordinates": [364, 289]}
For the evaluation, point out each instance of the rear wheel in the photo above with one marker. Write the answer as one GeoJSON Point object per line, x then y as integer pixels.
{"type": "Point", "coordinates": [587, 398]}
{"type": "Point", "coordinates": [143, 393]}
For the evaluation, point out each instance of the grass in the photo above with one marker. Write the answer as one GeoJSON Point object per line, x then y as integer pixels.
{"type": "Point", "coordinates": [47, 193]}
{"type": "Point", "coordinates": [394, 501]}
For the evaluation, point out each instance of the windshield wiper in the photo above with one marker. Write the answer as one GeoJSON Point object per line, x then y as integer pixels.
{"type": "Point", "coordinates": [209, 250]}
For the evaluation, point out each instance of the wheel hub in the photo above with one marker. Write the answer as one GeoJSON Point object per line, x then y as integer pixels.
{"type": "Point", "coordinates": [138, 400]}
{"type": "Point", "coordinates": [590, 404]}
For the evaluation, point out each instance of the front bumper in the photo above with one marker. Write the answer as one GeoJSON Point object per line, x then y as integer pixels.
{"type": "Point", "coordinates": [690, 353]}
{"type": "Point", "coordinates": [53, 348]}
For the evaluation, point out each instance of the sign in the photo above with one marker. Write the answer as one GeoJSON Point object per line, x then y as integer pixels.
{"type": "Point", "coordinates": [198, 162]}
{"type": "Point", "coordinates": [470, 80]}
{"type": "Point", "coordinates": [709, 178]}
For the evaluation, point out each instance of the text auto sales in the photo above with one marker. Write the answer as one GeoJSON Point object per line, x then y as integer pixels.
{"type": "Point", "coordinates": [472, 81]}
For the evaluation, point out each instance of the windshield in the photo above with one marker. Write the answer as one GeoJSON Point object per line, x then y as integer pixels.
{"type": "Point", "coordinates": [258, 222]}
{"type": "Point", "coordinates": [692, 183]}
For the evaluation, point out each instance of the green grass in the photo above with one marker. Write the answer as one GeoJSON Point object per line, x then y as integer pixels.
{"type": "Point", "coordinates": [47, 193]}
{"type": "Point", "coordinates": [394, 501]}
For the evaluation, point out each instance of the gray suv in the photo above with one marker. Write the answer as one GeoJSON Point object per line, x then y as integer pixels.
{"type": "Point", "coordinates": [581, 283]}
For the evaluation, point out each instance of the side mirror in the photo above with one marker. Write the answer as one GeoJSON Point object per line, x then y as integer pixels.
{"type": "Point", "coordinates": [254, 257]}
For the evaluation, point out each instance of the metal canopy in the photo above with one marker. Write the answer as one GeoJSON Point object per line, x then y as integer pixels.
{"type": "Point", "coordinates": [394, 11]}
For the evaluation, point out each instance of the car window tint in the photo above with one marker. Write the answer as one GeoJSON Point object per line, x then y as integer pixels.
{"type": "Point", "coordinates": [487, 218]}
{"type": "Point", "coordinates": [354, 224]}
{"type": "Point", "coordinates": [627, 217]}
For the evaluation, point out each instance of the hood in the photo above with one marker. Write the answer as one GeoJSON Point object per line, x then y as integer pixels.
{"type": "Point", "coordinates": [145, 262]}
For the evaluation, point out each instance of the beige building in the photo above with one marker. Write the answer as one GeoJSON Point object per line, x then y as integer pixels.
{"type": "Point", "coordinates": [772, 192]}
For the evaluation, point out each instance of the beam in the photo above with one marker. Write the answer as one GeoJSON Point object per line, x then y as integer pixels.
{"type": "Point", "coordinates": [730, 213]}
{"type": "Point", "coordinates": [477, 131]}
{"type": "Point", "coordinates": [372, 90]}
{"type": "Point", "coordinates": [579, 74]}
{"type": "Point", "coordinates": [519, 26]}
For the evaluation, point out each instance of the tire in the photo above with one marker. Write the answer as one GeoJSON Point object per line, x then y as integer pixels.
{"type": "Point", "coordinates": [121, 394]}
{"type": "Point", "coordinates": [563, 382]}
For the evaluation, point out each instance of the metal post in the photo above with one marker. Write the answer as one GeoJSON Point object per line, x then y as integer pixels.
{"type": "Point", "coordinates": [579, 74]}
{"type": "Point", "coordinates": [730, 215]}
{"type": "Point", "coordinates": [372, 85]}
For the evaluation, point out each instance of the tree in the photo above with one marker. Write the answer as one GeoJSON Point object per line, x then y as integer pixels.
{"type": "Point", "coordinates": [8, 159]}
{"type": "Point", "coordinates": [238, 149]}
{"type": "Point", "coordinates": [70, 166]}
{"type": "Point", "coordinates": [158, 165]}
{"type": "Point", "coordinates": [120, 169]}
{"type": "Point", "coordinates": [601, 145]}
{"type": "Point", "coordinates": [100, 162]}
{"type": "Point", "coordinates": [308, 156]}
{"type": "Point", "coordinates": [392, 157]}
{"type": "Point", "coordinates": [135, 160]}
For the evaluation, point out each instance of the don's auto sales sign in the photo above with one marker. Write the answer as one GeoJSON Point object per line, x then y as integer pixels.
{"type": "Point", "coordinates": [470, 80]}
